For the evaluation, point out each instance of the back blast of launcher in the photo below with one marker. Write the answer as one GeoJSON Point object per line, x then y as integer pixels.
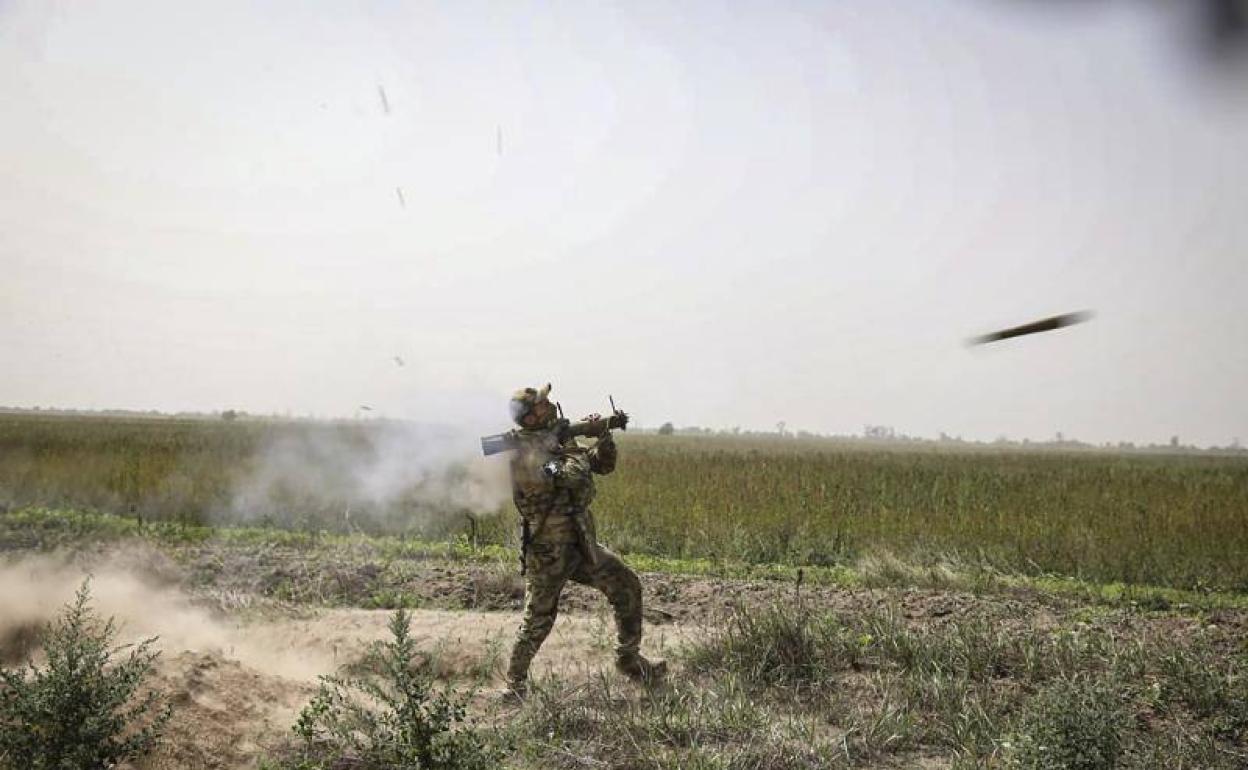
{"type": "Point", "coordinates": [593, 426]}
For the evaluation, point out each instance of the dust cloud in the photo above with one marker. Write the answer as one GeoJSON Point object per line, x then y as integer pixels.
{"type": "Point", "coordinates": [295, 647]}
{"type": "Point", "coordinates": [143, 596]}
{"type": "Point", "coordinates": [34, 591]}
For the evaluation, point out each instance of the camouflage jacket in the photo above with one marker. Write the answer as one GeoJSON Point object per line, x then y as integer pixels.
{"type": "Point", "coordinates": [551, 500]}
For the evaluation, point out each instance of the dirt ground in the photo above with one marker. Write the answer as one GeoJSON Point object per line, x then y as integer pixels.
{"type": "Point", "coordinates": [232, 703]}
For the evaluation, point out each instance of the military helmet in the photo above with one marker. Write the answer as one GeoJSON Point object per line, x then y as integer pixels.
{"type": "Point", "coordinates": [524, 401]}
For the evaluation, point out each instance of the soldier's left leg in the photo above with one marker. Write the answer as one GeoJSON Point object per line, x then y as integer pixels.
{"type": "Point", "coordinates": [548, 567]}
{"type": "Point", "coordinates": [622, 588]}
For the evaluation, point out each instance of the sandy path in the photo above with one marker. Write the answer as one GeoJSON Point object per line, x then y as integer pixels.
{"type": "Point", "coordinates": [232, 706]}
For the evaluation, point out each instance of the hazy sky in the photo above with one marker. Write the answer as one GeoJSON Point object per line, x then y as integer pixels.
{"type": "Point", "coordinates": [722, 213]}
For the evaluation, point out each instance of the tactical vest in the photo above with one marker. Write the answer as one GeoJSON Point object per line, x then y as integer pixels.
{"type": "Point", "coordinates": [551, 509]}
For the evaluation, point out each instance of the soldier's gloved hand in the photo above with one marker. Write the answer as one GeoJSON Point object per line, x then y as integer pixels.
{"type": "Point", "coordinates": [619, 420]}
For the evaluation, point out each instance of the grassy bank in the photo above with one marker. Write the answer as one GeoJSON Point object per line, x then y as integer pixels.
{"type": "Point", "coordinates": [387, 562]}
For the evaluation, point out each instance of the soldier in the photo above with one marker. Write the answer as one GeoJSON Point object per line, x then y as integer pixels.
{"type": "Point", "coordinates": [553, 485]}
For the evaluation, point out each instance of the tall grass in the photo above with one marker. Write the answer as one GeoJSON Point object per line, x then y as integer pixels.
{"type": "Point", "coordinates": [1176, 520]}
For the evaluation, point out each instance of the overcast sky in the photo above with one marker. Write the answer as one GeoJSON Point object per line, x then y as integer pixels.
{"type": "Point", "coordinates": [722, 213]}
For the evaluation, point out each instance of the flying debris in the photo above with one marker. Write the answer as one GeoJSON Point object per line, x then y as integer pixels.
{"type": "Point", "coordinates": [399, 360]}
{"type": "Point", "coordinates": [364, 408]}
{"type": "Point", "coordinates": [1043, 325]}
{"type": "Point", "coordinates": [385, 103]}
{"type": "Point", "coordinates": [399, 192]}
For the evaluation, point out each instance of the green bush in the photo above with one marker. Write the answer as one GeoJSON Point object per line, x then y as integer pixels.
{"type": "Point", "coordinates": [389, 716]}
{"type": "Point", "coordinates": [1073, 724]}
{"type": "Point", "coordinates": [82, 709]}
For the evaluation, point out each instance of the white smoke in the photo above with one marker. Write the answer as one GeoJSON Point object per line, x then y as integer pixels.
{"type": "Point", "coordinates": [398, 474]}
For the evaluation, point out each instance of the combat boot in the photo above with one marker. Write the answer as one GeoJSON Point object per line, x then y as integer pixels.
{"type": "Point", "coordinates": [518, 674]}
{"type": "Point", "coordinates": [636, 667]}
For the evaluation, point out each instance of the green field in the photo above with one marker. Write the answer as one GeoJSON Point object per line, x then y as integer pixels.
{"type": "Point", "coordinates": [1170, 520]}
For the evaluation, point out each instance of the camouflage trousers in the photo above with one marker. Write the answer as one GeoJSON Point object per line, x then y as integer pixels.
{"type": "Point", "coordinates": [548, 568]}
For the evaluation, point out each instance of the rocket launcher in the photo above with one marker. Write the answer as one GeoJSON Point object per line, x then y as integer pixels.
{"type": "Point", "coordinates": [593, 426]}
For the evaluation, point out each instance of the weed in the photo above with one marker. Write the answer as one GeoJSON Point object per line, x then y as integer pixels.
{"type": "Point", "coordinates": [391, 599]}
{"type": "Point", "coordinates": [780, 645]}
{"type": "Point", "coordinates": [687, 723]}
{"type": "Point", "coordinates": [1079, 723]}
{"type": "Point", "coordinates": [1063, 698]}
{"type": "Point", "coordinates": [389, 716]}
{"type": "Point", "coordinates": [1211, 687]}
{"type": "Point", "coordinates": [490, 664]}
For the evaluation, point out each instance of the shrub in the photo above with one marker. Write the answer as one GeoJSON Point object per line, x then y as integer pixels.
{"type": "Point", "coordinates": [82, 709]}
{"type": "Point", "coordinates": [389, 716]}
{"type": "Point", "coordinates": [777, 645]}
{"type": "Point", "coordinates": [1073, 724]}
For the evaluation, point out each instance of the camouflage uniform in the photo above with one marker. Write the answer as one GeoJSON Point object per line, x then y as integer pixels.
{"type": "Point", "coordinates": [552, 488]}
